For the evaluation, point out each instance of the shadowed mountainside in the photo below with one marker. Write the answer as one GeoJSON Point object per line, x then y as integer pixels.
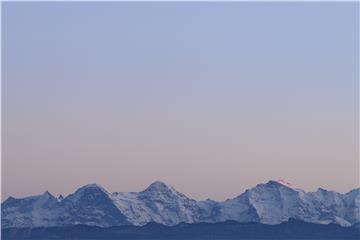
{"type": "Point", "coordinates": [292, 229]}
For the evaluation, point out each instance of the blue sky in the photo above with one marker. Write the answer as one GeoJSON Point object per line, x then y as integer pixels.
{"type": "Point", "coordinates": [209, 97]}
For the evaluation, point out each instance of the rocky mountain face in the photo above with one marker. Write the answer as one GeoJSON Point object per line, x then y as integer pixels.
{"type": "Point", "coordinates": [271, 203]}
{"type": "Point", "coordinates": [158, 203]}
{"type": "Point", "coordinates": [89, 205]}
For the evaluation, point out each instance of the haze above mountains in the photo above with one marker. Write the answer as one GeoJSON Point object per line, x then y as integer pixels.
{"type": "Point", "coordinates": [271, 203]}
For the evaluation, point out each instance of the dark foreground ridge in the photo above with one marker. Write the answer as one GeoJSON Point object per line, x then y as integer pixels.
{"type": "Point", "coordinates": [292, 229]}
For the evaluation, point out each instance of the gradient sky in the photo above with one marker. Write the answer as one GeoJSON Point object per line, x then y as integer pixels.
{"type": "Point", "coordinates": [211, 98]}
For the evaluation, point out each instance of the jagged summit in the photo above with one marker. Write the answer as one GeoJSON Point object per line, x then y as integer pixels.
{"type": "Point", "coordinates": [60, 198]}
{"type": "Point", "coordinates": [279, 182]}
{"type": "Point", "coordinates": [320, 189]}
{"type": "Point", "coordinates": [47, 193]}
{"type": "Point", "coordinates": [285, 182]}
{"type": "Point", "coordinates": [44, 196]}
{"type": "Point", "coordinates": [269, 184]}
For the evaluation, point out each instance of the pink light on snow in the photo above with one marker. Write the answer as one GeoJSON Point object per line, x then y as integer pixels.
{"type": "Point", "coordinates": [285, 182]}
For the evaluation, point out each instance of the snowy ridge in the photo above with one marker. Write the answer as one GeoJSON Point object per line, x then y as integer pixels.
{"type": "Point", "coordinates": [143, 207]}
{"type": "Point", "coordinates": [270, 203]}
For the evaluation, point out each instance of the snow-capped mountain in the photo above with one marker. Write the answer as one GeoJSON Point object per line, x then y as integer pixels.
{"type": "Point", "coordinates": [274, 202]}
{"type": "Point", "coordinates": [270, 203]}
{"type": "Point", "coordinates": [40, 210]}
{"type": "Point", "coordinates": [352, 203]}
{"type": "Point", "coordinates": [158, 203]}
{"type": "Point", "coordinates": [89, 205]}
{"type": "Point", "coordinates": [92, 205]}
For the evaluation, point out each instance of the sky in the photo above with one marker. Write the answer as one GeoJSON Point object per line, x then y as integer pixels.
{"type": "Point", "coordinates": [211, 98]}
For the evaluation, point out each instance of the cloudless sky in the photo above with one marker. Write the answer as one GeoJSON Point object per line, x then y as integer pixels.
{"type": "Point", "coordinates": [211, 98]}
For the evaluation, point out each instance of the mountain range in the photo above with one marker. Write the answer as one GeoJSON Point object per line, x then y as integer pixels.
{"type": "Point", "coordinates": [271, 203]}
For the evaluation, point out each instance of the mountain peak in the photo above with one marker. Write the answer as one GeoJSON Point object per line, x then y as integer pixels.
{"type": "Point", "coordinates": [320, 189]}
{"type": "Point", "coordinates": [60, 198]}
{"type": "Point", "coordinates": [91, 188]}
{"type": "Point", "coordinates": [45, 195]}
{"type": "Point", "coordinates": [270, 183]}
{"type": "Point", "coordinates": [91, 185]}
{"type": "Point", "coordinates": [9, 199]}
{"type": "Point", "coordinates": [158, 185]}
{"type": "Point", "coordinates": [285, 182]}
{"type": "Point", "coordinates": [280, 182]}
